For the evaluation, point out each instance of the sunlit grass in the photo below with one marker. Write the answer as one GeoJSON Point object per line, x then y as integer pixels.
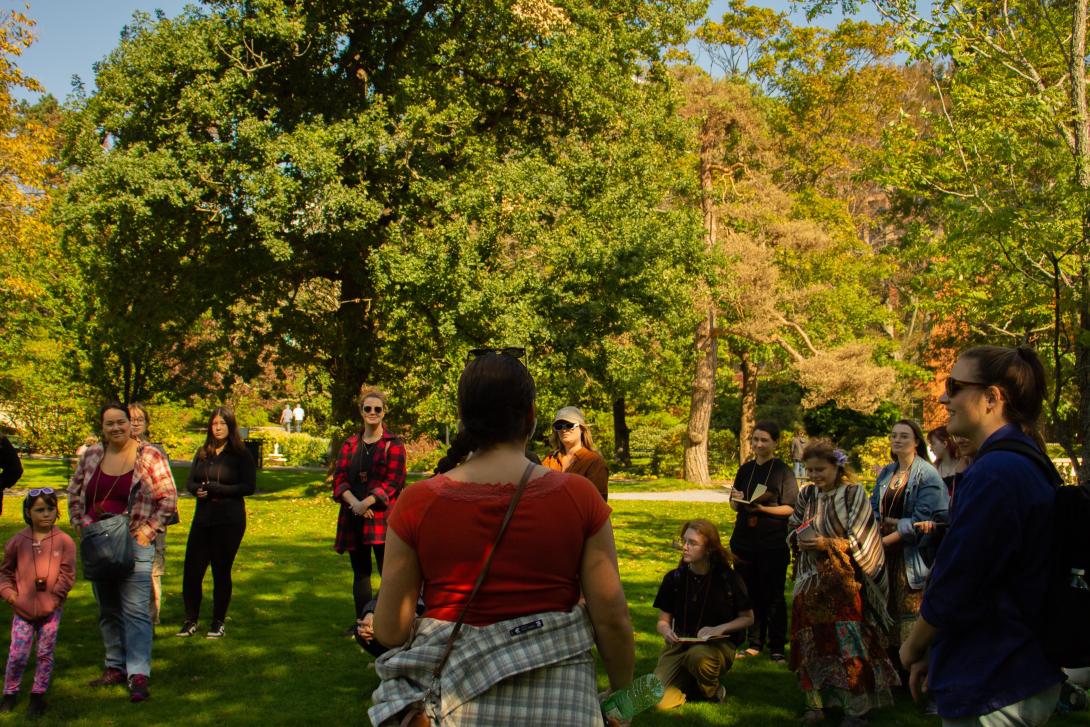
{"type": "Point", "coordinates": [284, 660]}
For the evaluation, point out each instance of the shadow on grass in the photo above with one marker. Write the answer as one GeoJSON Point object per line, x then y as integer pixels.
{"type": "Point", "coordinates": [285, 661]}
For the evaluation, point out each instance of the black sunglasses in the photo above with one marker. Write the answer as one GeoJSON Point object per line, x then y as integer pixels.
{"type": "Point", "coordinates": [369, 409]}
{"type": "Point", "coordinates": [563, 426]}
{"type": "Point", "coordinates": [515, 351]}
{"type": "Point", "coordinates": [954, 386]}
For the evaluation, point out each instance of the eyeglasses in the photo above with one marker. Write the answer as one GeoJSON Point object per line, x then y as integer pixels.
{"type": "Point", "coordinates": [509, 351]}
{"type": "Point", "coordinates": [954, 386]}
{"type": "Point", "coordinates": [563, 426]}
{"type": "Point", "coordinates": [369, 409]}
{"type": "Point", "coordinates": [41, 491]}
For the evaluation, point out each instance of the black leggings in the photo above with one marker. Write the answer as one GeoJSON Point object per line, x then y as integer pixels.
{"type": "Point", "coordinates": [361, 573]}
{"type": "Point", "coordinates": [214, 545]}
{"type": "Point", "coordinates": [765, 573]}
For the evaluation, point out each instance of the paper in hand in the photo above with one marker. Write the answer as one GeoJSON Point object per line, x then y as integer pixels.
{"type": "Point", "coordinates": [759, 491]}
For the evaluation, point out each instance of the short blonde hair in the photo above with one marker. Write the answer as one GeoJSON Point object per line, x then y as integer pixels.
{"type": "Point", "coordinates": [370, 392]}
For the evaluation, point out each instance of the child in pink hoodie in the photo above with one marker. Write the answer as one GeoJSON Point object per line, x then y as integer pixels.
{"type": "Point", "coordinates": [39, 569]}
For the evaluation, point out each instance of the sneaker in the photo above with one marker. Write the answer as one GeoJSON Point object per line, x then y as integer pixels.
{"type": "Point", "coordinates": [111, 676]}
{"type": "Point", "coordinates": [37, 706]}
{"type": "Point", "coordinates": [216, 631]}
{"type": "Point", "coordinates": [778, 658]}
{"type": "Point", "coordinates": [188, 629]}
{"type": "Point", "coordinates": [720, 695]}
{"type": "Point", "coordinates": [812, 716]}
{"type": "Point", "coordinates": [7, 704]}
{"type": "Point", "coordinates": [138, 688]}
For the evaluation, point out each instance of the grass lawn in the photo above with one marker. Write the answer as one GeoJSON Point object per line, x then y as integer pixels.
{"type": "Point", "coordinates": [284, 660]}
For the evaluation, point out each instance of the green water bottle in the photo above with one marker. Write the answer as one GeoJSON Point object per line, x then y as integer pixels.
{"type": "Point", "coordinates": [642, 694]}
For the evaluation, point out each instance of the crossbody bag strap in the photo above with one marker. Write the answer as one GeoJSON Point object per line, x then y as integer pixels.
{"type": "Point", "coordinates": [484, 570]}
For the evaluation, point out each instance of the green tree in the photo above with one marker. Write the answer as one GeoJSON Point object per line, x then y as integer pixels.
{"type": "Point", "coordinates": [781, 145]}
{"type": "Point", "coordinates": [336, 180]}
{"type": "Point", "coordinates": [1001, 166]}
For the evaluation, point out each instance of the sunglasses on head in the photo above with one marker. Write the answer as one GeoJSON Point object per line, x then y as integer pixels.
{"type": "Point", "coordinates": [954, 386]}
{"type": "Point", "coordinates": [515, 351]}
{"type": "Point", "coordinates": [41, 491]}
{"type": "Point", "coordinates": [369, 409]}
{"type": "Point", "coordinates": [563, 426]}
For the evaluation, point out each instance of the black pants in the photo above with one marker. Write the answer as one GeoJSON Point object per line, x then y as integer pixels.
{"type": "Point", "coordinates": [765, 573]}
{"type": "Point", "coordinates": [214, 545]}
{"type": "Point", "coordinates": [361, 573]}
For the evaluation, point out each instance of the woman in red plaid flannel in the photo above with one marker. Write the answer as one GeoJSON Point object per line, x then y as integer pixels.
{"type": "Point", "coordinates": [370, 473]}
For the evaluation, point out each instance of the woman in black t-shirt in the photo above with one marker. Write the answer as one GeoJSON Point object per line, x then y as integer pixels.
{"type": "Point", "coordinates": [703, 613]}
{"type": "Point", "coordinates": [223, 473]}
{"type": "Point", "coordinates": [759, 540]}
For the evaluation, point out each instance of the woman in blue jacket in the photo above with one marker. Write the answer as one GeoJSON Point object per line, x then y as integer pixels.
{"type": "Point", "coordinates": [909, 490]}
{"type": "Point", "coordinates": [987, 591]}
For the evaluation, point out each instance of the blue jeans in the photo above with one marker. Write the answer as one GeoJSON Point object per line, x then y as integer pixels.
{"type": "Point", "coordinates": [123, 615]}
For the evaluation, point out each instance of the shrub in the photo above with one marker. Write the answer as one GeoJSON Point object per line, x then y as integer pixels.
{"type": "Point", "coordinates": [722, 453]}
{"type": "Point", "coordinates": [870, 457]}
{"type": "Point", "coordinates": [423, 453]}
{"type": "Point", "coordinates": [50, 423]}
{"type": "Point", "coordinates": [300, 450]}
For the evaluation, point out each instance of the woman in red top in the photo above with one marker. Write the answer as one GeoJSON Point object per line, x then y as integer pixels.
{"type": "Point", "coordinates": [524, 655]}
{"type": "Point", "coordinates": [369, 476]}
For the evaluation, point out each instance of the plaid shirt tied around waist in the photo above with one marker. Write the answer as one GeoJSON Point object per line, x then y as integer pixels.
{"type": "Point", "coordinates": [531, 670]}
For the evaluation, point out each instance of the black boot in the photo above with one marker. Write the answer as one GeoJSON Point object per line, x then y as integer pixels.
{"type": "Point", "coordinates": [36, 708]}
{"type": "Point", "coordinates": [7, 703]}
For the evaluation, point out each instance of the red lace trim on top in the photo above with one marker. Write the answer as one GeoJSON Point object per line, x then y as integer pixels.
{"type": "Point", "coordinates": [450, 489]}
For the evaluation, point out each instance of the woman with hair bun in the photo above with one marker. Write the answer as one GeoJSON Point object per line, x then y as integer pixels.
{"type": "Point", "coordinates": [839, 613]}
{"type": "Point", "coordinates": [574, 451]}
{"type": "Point", "coordinates": [977, 642]}
{"type": "Point", "coordinates": [370, 475]}
{"type": "Point", "coordinates": [524, 654]}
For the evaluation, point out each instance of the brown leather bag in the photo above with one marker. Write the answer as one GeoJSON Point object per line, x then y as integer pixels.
{"type": "Point", "coordinates": [415, 715]}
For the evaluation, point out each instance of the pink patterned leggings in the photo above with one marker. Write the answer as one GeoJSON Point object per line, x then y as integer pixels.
{"type": "Point", "coordinates": [22, 638]}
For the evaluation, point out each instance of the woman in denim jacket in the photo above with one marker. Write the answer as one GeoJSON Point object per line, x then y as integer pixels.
{"type": "Point", "coordinates": [908, 491]}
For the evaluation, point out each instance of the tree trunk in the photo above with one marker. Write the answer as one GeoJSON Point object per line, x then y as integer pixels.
{"type": "Point", "coordinates": [621, 452]}
{"type": "Point", "coordinates": [700, 408]}
{"type": "Point", "coordinates": [749, 406]}
{"type": "Point", "coordinates": [1082, 367]}
{"type": "Point", "coordinates": [1082, 175]}
{"type": "Point", "coordinates": [354, 359]}
{"type": "Point", "coordinates": [695, 460]}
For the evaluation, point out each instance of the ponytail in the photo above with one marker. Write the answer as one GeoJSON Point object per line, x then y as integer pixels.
{"type": "Point", "coordinates": [460, 448]}
{"type": "Point", "coordinates": [1020, 375]}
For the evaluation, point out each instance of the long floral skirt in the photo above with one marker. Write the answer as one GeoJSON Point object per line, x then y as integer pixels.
{"type": "Point", "coordinates": [839, 656]}
{"type": "Point", "coordinates": [904, 601]}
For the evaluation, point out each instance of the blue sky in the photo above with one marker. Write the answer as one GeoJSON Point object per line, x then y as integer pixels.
{"type": "Point", "coordinates": [73, 34]}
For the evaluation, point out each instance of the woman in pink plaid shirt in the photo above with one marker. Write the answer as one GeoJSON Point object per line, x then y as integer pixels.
{"type": "Point", "coordinates": [116, 474]}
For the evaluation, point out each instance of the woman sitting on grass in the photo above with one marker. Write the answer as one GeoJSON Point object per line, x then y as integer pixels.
{"type": "Point", "coordinates": [839, 615]}
{"type": "Point", "coordinates": [703, 615]}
